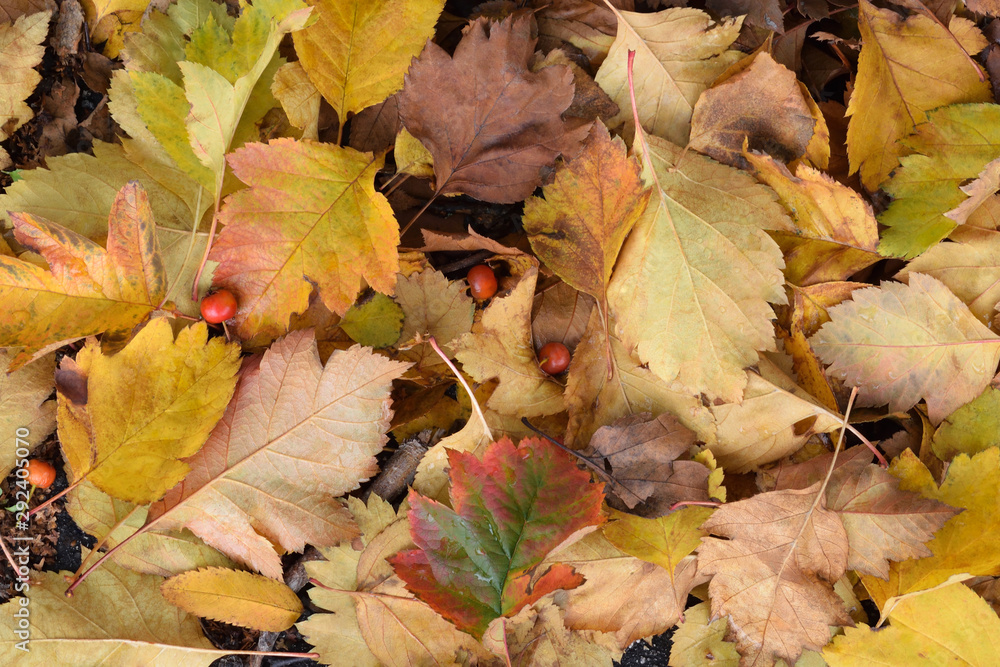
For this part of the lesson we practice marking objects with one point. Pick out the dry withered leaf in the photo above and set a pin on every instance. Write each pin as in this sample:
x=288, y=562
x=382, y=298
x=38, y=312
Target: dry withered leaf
x=642, y=455
x=493, y=144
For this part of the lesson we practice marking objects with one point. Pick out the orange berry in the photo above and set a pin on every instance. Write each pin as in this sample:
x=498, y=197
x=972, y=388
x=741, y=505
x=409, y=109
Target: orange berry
x=41, y=474
x=554, y=358
x=218, y=306
x=482, y=281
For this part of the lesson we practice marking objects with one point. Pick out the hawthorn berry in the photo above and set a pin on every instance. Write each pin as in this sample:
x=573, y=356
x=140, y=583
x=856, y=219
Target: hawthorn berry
x=482, y=282
x=41, y=474
x=554, y=358
x=218, y=307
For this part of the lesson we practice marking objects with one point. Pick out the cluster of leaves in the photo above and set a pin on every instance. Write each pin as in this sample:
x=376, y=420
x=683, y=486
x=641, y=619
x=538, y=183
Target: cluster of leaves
x=697, y=227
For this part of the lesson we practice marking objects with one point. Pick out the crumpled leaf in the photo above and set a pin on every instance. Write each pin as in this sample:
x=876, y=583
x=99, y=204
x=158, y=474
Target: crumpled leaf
x=950, y=148
x=127, y=421
x=640, y=456
x=971, y=429
x=357, y=51
x=762, y=106
x=899, y=343
x=87, y=290
x=579, y=226
x=311, y=216
x=146, y=630
x=538, y=636
x=891, y=96
x=622, y=594
x=500, y=347
x=109, y=20
x=679, y=53
x=882, y=521
x=235, y=597
x=968, y=543
x=375, y=620
x=773, y=574
x=475, y=563
x=492, y=145
x=24, y=405
x=691, y=288
x=251, y=488
x=951, y=625
x=21, y=51
x=835, y=230
x=162, y=554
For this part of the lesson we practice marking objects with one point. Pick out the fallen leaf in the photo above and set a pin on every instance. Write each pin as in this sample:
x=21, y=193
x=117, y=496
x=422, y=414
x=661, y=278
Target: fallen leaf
x=700, y=641
x=901, y=343
x=697, y=262
x=474, y=562
x=891, y=97
x=288, y=231
x=80, y=631
x=298, y=97
x=251, y=488
x=25, y=411
x=679, y=53
x=765, y=14
x=120, y=286
x=762, y=106
x=538, y=636
x=773, y=573
x=970, y=269
x=374, y=320
x=588, y=25
x=109, y=20
x=579, y=226
x=144, y=409
x=560, y=313
x=972, y=428
x=492, y=145
x=953, y=146
x=432, y=305
x=949, y=625
x=21, y=50
x=663, y=541
x=500, y=347
x=357, y=52
x=835, y=230
x=640, y=456
x=238, y=598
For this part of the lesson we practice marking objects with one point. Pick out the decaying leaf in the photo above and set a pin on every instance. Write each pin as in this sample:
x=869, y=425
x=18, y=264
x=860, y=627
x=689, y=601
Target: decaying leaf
x=21, y=50
x=24, y=406
x=492, y=145
x=474, y=563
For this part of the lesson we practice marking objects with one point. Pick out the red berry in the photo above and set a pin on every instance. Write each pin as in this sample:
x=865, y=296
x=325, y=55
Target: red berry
x=218, y=306
x=554, y=358
x=482, y=281
x=41, y=474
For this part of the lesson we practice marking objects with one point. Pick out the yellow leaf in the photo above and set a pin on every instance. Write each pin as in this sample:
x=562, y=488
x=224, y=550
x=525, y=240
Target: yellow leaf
x=21, y=51
x=971, y=429
x=109, y=20
x=358, y=51
x=949, y=626
x=968, y=543
x=144, y=409
x=891, y=96
x=76, y=632
x=412, y=157
x=679, y=53
x=700, y=641
x=88, y=290
x=664, y=541
x=500, y=347
x=691, y=288
x=900, y=343
x=234, y=597
x=432, y=305
x=299, y=98
x=23, y=407
x=836, y=234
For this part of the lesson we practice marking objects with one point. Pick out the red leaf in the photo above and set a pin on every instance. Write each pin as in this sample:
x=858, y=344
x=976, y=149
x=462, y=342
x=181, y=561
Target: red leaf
x=475, y=562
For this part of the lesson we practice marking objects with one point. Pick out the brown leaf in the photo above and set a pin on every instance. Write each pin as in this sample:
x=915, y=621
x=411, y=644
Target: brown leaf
x=883, y=523
x=761, y=13
x=762, y=105
x=773, y=574
x=642, y=453
x=492, y=125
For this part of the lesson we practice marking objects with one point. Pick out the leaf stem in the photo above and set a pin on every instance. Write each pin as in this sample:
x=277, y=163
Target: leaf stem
x=208, y=249
x=56, y=497
x=10, y=557
x=465, y=385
